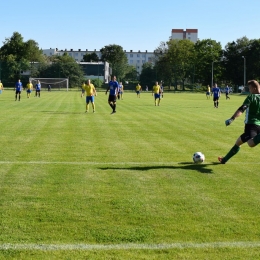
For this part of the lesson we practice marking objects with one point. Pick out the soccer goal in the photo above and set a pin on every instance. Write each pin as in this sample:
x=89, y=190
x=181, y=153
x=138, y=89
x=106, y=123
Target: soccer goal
x=52, y=83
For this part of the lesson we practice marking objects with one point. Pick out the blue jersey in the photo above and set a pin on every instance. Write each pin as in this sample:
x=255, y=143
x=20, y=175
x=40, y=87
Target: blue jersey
x=18, y=86
x=38, y=86
x=227, y=90
x=113, y=87
x=216, y=92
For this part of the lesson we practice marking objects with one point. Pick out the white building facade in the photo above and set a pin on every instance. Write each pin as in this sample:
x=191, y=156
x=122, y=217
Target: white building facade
x=135, y=58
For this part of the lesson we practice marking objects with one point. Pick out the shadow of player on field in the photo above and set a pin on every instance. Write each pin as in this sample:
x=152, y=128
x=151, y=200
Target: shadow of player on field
x=183, y=165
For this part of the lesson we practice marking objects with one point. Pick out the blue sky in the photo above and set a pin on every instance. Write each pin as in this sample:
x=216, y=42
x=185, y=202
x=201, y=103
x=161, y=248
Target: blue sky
x=134, y=25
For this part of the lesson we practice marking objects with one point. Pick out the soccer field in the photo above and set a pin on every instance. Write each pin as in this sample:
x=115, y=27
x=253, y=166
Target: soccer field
x=76, y=185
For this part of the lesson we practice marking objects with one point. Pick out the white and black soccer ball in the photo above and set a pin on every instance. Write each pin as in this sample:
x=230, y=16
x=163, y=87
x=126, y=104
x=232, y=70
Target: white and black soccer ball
x=198, y=157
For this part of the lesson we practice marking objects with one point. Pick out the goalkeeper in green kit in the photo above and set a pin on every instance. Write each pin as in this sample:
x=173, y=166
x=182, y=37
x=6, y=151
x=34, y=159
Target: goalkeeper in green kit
x=251, y=133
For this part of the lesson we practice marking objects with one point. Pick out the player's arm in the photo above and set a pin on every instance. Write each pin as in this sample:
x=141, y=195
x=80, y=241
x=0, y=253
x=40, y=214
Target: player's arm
x=238, y=113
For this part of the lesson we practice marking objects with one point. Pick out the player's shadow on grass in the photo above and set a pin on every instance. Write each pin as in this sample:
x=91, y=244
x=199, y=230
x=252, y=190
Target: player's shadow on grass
x=183, y=165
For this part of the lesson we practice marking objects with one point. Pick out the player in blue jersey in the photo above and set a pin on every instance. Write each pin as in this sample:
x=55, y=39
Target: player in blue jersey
x=113, y=92
x=161, y=86
x=227, y=91
x=216, y=95
x=120, y=90
x=38, y=89
x=18, y=89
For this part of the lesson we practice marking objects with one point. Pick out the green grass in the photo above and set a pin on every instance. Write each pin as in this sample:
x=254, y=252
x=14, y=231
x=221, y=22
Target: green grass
x=123, y=186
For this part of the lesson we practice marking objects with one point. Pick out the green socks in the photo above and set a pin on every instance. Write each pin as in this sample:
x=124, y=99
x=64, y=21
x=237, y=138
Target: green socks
x=234, y=150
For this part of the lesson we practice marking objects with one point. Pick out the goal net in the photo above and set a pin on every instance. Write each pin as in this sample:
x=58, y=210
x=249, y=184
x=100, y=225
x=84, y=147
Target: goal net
x=52, y=83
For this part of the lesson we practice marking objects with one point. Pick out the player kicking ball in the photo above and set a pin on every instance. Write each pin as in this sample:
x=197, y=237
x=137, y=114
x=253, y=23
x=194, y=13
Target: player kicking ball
x=251, y=134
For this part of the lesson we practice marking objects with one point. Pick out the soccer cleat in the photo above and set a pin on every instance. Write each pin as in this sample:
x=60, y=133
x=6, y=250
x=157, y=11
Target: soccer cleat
x=94, y=111
x=113, y=112
x=86, y=111
x=220, y=159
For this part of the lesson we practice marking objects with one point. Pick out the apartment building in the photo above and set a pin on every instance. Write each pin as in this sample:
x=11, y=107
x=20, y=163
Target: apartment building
x=180, y=34
x=135, y=58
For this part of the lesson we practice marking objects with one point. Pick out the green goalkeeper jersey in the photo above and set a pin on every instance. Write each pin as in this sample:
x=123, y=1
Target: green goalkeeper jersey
x=253, y=109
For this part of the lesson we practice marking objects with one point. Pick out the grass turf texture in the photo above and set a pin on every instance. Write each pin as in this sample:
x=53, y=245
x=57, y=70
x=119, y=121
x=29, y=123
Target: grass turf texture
x=125, y=183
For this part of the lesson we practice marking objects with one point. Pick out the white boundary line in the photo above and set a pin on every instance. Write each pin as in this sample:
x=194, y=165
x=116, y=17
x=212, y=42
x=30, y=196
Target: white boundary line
x=55, y=247
x=117, y=163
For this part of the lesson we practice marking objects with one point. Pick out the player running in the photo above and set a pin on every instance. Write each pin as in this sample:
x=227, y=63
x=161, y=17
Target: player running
x=157, y=93
x=113, y=92
x=251, y=133
x=216, y=95
x=90, y=93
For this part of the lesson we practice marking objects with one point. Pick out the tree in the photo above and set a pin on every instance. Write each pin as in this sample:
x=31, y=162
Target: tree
x=234, y=62
x=131, y=74
x=91, y=57
x=175, y=61
x=64, y=67
x=18, y=56
x=115, y=55
x=147, y=74
x=206, y=52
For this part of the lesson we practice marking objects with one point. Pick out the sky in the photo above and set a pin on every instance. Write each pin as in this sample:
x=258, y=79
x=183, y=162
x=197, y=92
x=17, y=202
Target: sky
x=133, y=24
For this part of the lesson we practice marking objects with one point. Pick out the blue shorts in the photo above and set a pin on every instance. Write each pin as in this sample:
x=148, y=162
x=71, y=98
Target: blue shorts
x=29, y=91
x=90, y=99
x=137, y=92
x=157, y=96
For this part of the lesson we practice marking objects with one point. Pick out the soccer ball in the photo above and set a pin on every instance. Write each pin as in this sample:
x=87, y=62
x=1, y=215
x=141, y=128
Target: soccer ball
x=198, y=157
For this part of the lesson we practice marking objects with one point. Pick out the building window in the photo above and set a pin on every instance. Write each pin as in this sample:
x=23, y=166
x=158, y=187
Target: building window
x=138, y=55
x=131, y=56
x=138, y=60
x=143, y=55
x=143, y=61
x=131, y=61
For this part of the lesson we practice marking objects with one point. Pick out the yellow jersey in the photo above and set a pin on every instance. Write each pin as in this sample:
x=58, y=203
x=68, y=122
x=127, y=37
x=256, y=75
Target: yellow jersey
x=29, y=86
x=138, y=87
x=90, y=89
x=1, y=85
x=156, y=89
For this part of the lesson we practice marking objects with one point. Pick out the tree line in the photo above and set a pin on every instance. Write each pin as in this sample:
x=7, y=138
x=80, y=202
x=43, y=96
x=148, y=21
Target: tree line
x=176, y=62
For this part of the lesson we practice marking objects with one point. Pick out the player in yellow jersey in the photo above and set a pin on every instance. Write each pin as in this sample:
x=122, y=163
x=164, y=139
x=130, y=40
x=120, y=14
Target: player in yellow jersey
x=83, y=89
x=208, y=92
x=1, y=87
x=90, y=93
x=138, y=89
x=29, y=87
x=157, y=93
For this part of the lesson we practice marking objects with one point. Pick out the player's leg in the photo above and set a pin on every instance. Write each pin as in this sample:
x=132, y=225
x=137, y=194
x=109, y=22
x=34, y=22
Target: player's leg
x=249, y=136
x=255, y=136
x=234, y=150
x=93, y=104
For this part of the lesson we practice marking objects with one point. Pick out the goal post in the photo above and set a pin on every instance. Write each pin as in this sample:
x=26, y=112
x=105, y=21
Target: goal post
x=54, y=83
